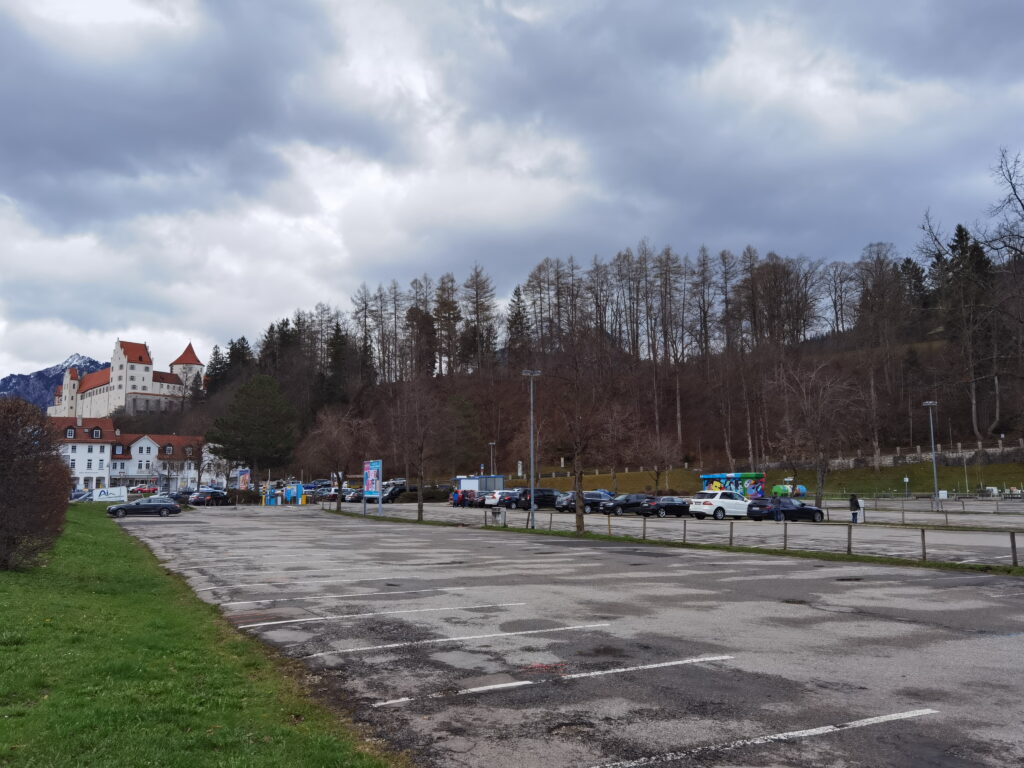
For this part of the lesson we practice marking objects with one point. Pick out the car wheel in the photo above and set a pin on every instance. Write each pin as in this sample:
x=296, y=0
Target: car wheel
x=120, y=513
x=586, y=509
x=699, y=516
x=617, y=511
x=661, y=513
x=164, y=512
x=819, y=516
x=719, y=514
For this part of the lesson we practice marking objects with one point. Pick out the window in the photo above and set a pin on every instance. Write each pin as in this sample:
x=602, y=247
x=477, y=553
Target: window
x=143, y=389
x=103, y=449
x=88, y=448
x=70, y=432
x=168, y=449
x=120, y=367
x=74, y=449
x=131, y=378
x=120, y=377
x=101, y=464
x=139, y=465
x=120, y=448
x=96, y=433
x=145, y=368
x=131, y=367
x=188, y=450
x=72, y=463
x=149, y=449
x=88, y=464
x=147, y=465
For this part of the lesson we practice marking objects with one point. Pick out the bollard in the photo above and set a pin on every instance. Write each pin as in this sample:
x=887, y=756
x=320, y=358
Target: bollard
x=731, y=524
x=849, y=539
x=903, y=511
x=684, y=531
x=644, y=535
x=1013, y=547
x=551, y=520
x=946, y=513
x=485, y=518
x=609, y=524
x=785, y=535
x=826, y=514
x=924, y=550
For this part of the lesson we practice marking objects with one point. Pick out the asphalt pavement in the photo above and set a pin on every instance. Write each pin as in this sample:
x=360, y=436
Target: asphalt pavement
x=470, y=647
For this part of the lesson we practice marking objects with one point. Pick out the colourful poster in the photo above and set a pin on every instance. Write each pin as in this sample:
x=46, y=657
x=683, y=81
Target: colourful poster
x=372, y=478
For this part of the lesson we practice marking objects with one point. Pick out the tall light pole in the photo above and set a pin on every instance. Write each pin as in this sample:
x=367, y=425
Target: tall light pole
x=931, y=405
x=492, y=456
x=533, y=505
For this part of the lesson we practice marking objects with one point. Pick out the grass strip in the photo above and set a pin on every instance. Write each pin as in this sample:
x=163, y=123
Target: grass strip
x=807, y=554
x=107, y=660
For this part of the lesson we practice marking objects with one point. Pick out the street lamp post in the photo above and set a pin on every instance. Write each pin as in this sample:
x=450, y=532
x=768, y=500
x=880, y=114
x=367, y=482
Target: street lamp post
x=931, y=405
x=491, y=444
x=533, y=505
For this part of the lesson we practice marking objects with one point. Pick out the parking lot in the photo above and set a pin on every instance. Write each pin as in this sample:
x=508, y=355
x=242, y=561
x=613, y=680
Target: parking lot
x=482, y=648
x=992, y=546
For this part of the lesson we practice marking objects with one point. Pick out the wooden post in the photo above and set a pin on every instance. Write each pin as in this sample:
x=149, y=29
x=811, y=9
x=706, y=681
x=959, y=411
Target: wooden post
x=551, y=520
x=903, y=510
x=946, y=513
x=849, y=539
x=924, y=549
x=785, y=535
x=1013, y=547
x=644, y=537
x=684, y=531
x=609, y=524
x=731, y=524
x=485, y=518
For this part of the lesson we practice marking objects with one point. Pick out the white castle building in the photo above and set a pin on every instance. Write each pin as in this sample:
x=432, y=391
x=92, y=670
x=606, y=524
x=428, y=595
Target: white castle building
x=130, y=383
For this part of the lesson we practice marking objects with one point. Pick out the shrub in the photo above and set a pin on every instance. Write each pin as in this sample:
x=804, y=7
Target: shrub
x=247, y=496
x=35, y=482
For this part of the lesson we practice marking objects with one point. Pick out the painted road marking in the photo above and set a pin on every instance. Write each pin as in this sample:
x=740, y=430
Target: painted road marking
x=377, y=613
x=788, y=736
x=454, y=639
x=350, y=594
x=521, y=683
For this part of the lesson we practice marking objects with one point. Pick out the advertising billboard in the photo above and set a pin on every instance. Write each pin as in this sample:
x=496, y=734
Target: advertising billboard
x=372, y=471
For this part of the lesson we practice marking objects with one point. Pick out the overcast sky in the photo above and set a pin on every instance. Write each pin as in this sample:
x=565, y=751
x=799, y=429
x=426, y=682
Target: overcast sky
x=175, y=170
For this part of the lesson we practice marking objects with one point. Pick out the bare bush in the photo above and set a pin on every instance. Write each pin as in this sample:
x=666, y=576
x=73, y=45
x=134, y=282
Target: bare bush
x=35, y=483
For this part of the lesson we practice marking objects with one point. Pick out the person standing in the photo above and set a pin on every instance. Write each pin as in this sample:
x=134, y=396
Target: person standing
x=854, y=506
x=777, y=508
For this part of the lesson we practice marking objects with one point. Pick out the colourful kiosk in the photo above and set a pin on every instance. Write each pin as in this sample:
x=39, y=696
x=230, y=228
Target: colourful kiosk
x=750, y=484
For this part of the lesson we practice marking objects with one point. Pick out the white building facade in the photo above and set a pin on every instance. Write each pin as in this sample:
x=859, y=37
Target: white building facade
x=131, y=383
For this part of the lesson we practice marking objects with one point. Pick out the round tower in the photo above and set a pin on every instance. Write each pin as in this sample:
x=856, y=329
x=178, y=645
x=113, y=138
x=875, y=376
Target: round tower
x=188, y=367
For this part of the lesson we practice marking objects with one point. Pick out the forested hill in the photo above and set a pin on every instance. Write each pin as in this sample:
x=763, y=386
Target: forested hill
x=722, y=358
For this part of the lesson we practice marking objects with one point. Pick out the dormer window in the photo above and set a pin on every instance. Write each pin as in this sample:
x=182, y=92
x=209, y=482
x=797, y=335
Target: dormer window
x=168, y=449
x=120, y=448
x=70, y=432
x=188, y=450
x=96, y=433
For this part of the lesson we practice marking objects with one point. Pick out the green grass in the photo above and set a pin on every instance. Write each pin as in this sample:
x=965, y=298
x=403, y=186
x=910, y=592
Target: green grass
x=864, y=482
x=108, y=660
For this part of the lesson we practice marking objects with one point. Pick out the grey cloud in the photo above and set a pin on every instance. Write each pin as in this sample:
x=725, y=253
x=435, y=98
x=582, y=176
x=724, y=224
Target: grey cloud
x=184, y=124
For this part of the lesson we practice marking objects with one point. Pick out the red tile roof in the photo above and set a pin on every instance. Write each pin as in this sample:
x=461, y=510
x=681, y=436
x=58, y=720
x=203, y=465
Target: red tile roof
x=83, y=431
x=95, y=379
x=188, y=357
x=60, y=388
x=162, y=377
x=135, y=352
x=74, y=373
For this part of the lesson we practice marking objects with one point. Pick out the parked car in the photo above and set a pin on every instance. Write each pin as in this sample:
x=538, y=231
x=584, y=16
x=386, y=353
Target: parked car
x=544, y=497
x=152, y=505
x=182, y=496
x=566, y=502
x=665, y=505
x=497, y=498
x=208, y=499
x=144, y=488
x=392, y=493
x=718, y=504
x=326, y=493
x=354, y=494
x=624, y=502
x=792, y=509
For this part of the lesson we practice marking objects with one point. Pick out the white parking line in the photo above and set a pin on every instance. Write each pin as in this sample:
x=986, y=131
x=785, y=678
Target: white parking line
x=454, y=639
x=376, y=613
x=521, y=683
x=788, y=736
x=350, y=594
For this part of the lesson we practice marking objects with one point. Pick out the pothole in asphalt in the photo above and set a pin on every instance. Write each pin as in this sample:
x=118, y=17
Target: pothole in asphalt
x=850, y=578
x=796, y=602
x=572, y=728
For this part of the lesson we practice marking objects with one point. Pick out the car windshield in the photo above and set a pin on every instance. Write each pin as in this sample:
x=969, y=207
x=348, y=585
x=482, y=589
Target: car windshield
x=621, y=497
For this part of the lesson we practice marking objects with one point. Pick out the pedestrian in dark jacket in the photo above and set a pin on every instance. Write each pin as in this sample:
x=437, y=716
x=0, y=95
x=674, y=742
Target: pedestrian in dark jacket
x=777, y=508
x=854, y=503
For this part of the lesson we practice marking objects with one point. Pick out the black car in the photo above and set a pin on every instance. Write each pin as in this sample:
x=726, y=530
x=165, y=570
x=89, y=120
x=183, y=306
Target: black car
x=792, y=509
x=208, y=499
x=566, y=502
x=151, y=505
x=394, y=491
x=624, y=502
x=664, y=505
x=520, y=497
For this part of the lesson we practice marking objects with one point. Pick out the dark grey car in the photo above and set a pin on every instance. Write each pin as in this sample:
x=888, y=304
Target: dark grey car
x=151, y=505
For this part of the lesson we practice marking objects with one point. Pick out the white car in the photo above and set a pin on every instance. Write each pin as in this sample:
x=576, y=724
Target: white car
x=494, y=498
x=718, y=504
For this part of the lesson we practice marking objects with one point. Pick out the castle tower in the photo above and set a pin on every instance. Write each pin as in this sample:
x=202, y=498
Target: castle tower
x=188, y=368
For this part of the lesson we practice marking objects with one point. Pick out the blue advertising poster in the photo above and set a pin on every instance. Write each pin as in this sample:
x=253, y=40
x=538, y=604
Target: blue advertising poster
x=371, y=479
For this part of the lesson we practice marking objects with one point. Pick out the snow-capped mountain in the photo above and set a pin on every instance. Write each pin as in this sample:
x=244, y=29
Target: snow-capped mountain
x=38, y=387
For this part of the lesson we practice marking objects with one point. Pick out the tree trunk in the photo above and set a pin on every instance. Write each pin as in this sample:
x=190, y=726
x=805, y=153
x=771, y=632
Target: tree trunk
x=419, y=493
x=578, y=485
